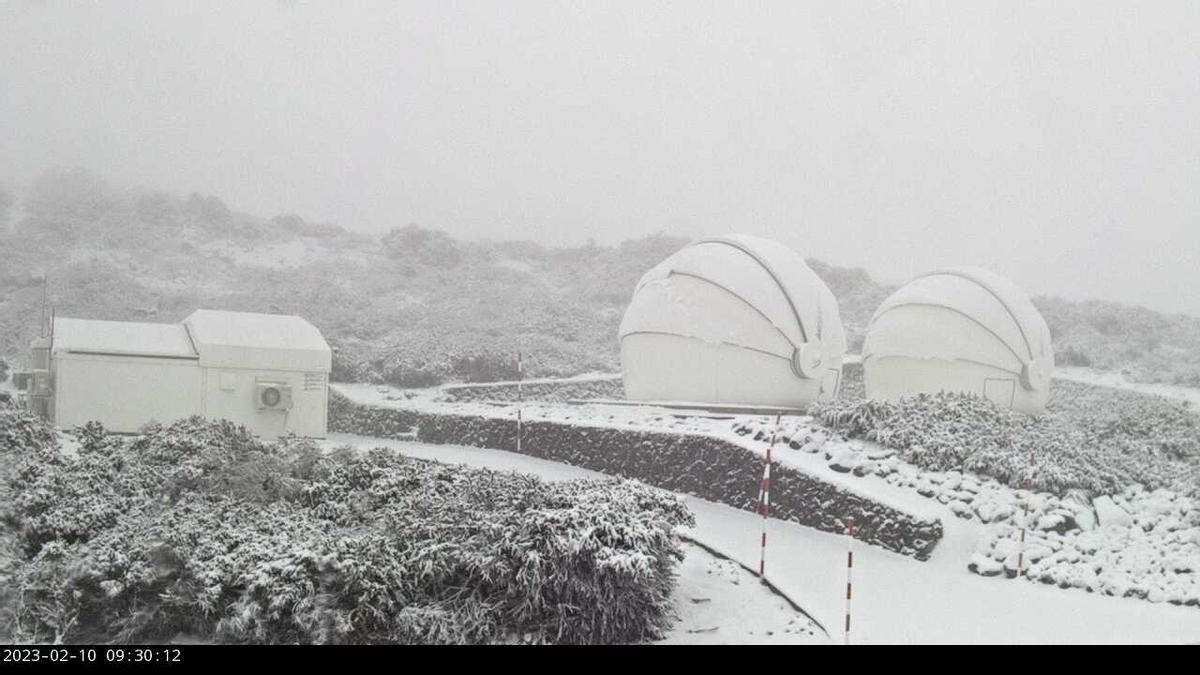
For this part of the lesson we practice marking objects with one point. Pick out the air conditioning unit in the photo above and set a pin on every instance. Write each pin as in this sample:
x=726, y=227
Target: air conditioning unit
x=273, y=396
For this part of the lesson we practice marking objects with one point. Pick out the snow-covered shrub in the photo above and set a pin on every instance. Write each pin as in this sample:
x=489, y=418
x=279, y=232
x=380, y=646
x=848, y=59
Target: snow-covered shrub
x=24, y=434
x=1099, y=448
x=349, y=366
x=71, y=499
x=199, y=528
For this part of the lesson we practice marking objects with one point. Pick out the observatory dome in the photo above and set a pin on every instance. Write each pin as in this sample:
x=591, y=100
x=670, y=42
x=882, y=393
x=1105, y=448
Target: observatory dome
x=732, y=320
x=960, y=329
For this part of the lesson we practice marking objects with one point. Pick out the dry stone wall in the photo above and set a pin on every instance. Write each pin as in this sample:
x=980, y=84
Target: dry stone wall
x=704, y=466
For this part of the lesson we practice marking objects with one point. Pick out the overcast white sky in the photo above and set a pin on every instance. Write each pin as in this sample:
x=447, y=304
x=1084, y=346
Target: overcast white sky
x=1057, y=143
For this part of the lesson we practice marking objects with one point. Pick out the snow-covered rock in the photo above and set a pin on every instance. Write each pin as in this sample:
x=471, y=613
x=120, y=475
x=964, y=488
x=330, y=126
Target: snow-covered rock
x=1086, y=519
x=990, y=510
x=1108, y=513
x=843, y=459
x=985, y=566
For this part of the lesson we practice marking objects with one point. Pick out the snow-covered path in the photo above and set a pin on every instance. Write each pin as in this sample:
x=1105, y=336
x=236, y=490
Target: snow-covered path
x=896, y=599
x=718, y=602
x=901, y=600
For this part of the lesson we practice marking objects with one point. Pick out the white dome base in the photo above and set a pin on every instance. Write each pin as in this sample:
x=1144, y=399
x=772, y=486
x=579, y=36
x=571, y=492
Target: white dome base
x=659, y=367
x=890, y=378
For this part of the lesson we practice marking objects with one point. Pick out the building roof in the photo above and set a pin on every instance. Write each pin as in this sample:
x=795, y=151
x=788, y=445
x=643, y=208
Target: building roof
x=269, y=341
x=763, y=277
x=244, y=329
x=986, y=298
x=122, y=338
x=214, y=338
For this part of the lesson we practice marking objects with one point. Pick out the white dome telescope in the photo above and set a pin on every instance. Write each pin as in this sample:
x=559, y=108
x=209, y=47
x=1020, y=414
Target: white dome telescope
x=964, y=330
x=733, y=320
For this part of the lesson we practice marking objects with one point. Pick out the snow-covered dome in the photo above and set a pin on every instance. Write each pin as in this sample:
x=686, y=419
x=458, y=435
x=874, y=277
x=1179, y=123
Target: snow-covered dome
x=961, y=329
x=733, y=320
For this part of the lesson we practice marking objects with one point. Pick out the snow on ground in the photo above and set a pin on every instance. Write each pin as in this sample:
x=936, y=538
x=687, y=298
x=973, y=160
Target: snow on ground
x=719, y=602
x=897, y=599
x=1115, y=380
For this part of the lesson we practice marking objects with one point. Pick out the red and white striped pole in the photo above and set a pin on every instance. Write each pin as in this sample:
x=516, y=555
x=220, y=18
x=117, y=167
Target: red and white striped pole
x=1025, y=519
x=520, y=399
x=849, y=571
x=764, y=499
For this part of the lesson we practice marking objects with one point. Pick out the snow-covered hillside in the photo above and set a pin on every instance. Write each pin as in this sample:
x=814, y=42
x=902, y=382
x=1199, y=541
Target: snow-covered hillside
x=416, y=307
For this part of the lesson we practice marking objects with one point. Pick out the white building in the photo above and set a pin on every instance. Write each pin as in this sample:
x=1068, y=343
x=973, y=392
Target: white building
x=266, y=372
x=963, y=330
x=733, y=320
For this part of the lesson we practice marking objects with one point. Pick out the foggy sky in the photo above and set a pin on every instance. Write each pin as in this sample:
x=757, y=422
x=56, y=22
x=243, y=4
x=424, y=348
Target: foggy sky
x=1056, y=143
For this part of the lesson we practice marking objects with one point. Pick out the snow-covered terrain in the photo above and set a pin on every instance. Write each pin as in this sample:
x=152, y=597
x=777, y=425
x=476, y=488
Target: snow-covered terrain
x=1139, y=543
x=718, y=601
x=897, y=599
x=1118, y=380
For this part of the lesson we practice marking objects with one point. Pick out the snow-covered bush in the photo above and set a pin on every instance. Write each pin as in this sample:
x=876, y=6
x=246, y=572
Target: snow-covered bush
x=1091, y=443
x=24, y=434
x=70, y=499
x=199, y=528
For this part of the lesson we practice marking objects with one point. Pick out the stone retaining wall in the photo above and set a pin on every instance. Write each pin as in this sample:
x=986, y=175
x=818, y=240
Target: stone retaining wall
x=710, y=468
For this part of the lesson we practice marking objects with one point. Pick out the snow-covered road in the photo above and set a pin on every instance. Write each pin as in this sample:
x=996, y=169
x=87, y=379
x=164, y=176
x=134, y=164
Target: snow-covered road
x=896, y=599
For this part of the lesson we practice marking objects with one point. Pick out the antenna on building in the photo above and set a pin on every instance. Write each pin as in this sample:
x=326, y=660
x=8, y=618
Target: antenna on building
x=44, y=284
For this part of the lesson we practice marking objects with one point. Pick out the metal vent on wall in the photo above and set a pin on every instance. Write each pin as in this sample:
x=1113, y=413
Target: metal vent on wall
x=314, y=381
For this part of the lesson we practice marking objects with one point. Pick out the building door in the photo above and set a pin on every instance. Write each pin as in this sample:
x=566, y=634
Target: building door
x=829, y=382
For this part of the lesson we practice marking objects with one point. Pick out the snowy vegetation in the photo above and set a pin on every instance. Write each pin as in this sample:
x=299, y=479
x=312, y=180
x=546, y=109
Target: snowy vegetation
x=415, y=307
x=1115, y=502
x=199, y=529
x=1124, y=542
x=1091, y=438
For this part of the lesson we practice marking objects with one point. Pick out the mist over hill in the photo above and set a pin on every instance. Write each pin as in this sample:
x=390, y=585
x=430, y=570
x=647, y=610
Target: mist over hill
x=415, y=307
